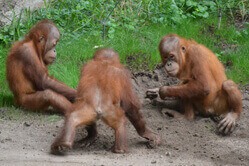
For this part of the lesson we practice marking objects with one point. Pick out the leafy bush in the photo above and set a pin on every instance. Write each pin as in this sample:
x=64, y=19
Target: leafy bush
x=101, y=17
x=104, y=17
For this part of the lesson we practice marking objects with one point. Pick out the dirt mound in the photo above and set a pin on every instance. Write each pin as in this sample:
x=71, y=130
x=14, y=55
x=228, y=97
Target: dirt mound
x=145, y=80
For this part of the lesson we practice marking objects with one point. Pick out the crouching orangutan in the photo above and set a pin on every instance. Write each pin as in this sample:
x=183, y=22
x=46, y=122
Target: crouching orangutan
x=104, y=92
x=204, y=87
x=27, y=72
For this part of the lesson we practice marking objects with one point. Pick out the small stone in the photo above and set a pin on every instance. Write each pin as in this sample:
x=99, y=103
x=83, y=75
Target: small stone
x=168, y=154
x=145, y=79
x=241, y=159
x=27, y=124
x=156, y=78
x=176, y=148
x=153, y=162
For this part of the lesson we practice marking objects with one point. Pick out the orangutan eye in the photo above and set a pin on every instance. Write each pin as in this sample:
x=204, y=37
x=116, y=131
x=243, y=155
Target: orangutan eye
x=171, y=57
x=183, y=49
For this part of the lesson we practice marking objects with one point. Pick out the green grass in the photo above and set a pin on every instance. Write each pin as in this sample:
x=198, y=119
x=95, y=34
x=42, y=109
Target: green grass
x=130, y=35
x=5, y=95
x=240, y=69
x=16, y=114
x=143, y=43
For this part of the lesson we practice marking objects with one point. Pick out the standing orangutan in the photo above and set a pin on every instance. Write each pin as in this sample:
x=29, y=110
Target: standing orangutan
x=104, y=92
x=204, y=88
x=27, y=72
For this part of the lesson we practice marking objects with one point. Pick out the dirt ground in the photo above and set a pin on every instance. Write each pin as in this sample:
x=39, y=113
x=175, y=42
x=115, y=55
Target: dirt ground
x=26, y=139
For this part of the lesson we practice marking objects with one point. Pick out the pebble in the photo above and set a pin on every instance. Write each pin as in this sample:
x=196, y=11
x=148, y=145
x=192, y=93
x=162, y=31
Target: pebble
x=156, y=78
x=168, y=154
x=176, y=148
x=241, y=159
x=27, y=124
x=153, y=162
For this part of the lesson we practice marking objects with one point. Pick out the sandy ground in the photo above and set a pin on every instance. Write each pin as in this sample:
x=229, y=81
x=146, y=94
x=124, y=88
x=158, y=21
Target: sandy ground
x=26, y=139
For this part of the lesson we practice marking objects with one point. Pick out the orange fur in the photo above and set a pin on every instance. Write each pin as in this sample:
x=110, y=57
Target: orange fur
x=205, y=87
x=27, y=73
x=105, y=92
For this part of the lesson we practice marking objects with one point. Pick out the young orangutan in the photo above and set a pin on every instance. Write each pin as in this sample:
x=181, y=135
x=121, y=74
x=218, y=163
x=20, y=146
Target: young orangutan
x=104, y=92
x=204, y=86
x=27, y=73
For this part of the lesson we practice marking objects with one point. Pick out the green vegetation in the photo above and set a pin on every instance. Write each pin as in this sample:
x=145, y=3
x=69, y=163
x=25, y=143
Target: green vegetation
x=134, y=29
x=13, y=113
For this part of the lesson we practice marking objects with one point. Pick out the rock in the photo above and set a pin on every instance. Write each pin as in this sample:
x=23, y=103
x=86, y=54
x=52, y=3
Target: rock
x=7, y=8
x=168, y=154
x=27, y=124
x=153, y=162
